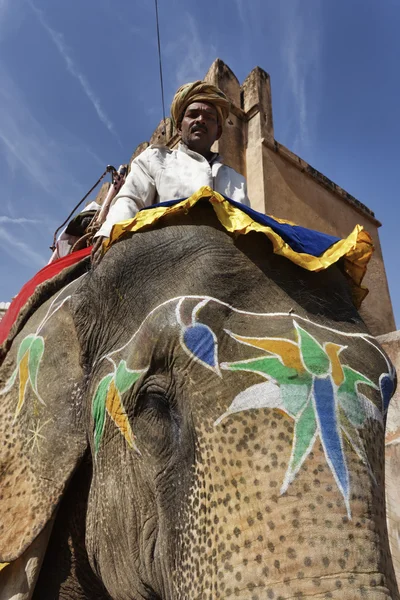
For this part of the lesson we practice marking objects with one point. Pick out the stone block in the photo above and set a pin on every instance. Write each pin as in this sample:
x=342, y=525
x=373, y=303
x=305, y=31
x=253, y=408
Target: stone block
x=257, y=101
x=221, y=75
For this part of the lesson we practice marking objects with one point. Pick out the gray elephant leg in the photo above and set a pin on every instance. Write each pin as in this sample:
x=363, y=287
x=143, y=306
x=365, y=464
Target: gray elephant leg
x=66, y=573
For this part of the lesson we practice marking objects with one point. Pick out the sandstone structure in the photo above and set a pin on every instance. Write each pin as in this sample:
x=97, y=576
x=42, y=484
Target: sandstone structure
x=282, y=184
x=391, y=345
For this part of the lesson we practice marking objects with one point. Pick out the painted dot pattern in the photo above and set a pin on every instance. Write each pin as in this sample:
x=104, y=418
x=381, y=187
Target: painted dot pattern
x=242, y=539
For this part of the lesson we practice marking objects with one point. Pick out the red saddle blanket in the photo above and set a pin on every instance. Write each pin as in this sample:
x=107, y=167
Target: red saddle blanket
x=28, y=289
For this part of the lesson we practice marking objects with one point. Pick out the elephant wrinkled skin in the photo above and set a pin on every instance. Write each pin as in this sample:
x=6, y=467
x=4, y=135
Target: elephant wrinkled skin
x=200, y=419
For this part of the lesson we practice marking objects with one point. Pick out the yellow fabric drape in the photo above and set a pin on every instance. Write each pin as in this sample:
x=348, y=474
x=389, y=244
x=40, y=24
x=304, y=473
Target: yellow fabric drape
x=356, y=248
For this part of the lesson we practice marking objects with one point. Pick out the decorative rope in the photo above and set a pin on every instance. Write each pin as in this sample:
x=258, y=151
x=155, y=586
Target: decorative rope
x=109, y=169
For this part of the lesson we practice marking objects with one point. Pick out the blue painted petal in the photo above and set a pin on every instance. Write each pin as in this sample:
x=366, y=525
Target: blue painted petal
x=386, y=384
x=201, y=341
x=327, y=416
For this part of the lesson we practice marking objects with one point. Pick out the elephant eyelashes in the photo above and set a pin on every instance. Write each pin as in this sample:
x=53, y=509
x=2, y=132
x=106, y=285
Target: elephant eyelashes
x=155, y=405
x=155, y=420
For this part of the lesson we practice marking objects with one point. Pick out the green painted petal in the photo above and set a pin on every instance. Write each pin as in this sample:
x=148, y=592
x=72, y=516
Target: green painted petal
x=294, y=398
x=351, y=378
x=35, y=356
x=99, y=409
x=10, y=382
x=352, y=407
x=314, y=356
x=125, y=378
x=24, y=346
x=305, y=432
x=272, y=368
x=305, y=429
x=350, y=399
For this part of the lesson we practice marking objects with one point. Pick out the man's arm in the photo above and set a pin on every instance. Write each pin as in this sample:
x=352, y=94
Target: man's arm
x=138, y=191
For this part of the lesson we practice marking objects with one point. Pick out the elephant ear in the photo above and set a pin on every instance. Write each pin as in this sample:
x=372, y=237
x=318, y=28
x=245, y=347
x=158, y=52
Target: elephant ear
x=42, y=435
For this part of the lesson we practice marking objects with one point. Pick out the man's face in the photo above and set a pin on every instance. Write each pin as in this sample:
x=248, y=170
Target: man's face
x=200, y=128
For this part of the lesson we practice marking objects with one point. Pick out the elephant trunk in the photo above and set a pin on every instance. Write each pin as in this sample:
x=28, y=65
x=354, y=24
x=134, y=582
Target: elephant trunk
x=246, y=536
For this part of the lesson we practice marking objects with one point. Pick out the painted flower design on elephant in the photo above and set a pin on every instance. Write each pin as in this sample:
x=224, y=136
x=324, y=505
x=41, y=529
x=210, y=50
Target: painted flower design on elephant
x=197, y=339
x=308, y=382
x=29, y=356
x=108, y=400
x=305, y=379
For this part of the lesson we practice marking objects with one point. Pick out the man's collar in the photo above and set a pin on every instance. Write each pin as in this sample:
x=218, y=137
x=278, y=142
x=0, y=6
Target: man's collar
x=214, y=159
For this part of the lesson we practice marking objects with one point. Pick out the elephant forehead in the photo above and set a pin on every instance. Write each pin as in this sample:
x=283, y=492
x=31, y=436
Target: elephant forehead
x=211, y=333
x=240, y=360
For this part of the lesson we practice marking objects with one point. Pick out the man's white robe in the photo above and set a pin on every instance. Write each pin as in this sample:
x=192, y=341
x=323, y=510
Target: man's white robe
x=159, y=174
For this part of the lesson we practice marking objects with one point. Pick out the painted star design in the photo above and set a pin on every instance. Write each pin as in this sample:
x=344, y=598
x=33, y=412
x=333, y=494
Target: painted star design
x=308, y=382
x=34, y=440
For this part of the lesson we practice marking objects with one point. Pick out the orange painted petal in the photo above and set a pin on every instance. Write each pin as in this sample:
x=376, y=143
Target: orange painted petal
x=332, y=351
x=117, y=413
x=288, y=351
x=23, y=381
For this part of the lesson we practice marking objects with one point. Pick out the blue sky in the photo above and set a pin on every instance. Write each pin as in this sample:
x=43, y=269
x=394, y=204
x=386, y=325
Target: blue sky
x=80, y=89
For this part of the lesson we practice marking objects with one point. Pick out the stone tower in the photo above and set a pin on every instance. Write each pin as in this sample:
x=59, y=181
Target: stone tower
x=282, y=184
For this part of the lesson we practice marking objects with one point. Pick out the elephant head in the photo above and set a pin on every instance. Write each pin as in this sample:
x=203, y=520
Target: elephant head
x=232, y=409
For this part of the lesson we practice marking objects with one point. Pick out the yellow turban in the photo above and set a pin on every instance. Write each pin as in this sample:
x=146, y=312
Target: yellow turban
x=199, y=91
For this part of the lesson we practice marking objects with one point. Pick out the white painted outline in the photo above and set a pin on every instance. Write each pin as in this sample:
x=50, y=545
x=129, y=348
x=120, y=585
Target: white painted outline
x=205, y=299
x=178, y=313
x=198, y=308
x=47, y=315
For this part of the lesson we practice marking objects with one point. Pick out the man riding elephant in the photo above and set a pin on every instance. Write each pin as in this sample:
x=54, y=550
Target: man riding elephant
x=199, y=111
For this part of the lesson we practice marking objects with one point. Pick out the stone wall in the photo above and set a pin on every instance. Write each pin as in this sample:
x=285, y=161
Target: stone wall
x=391, y=345
x=282, y=184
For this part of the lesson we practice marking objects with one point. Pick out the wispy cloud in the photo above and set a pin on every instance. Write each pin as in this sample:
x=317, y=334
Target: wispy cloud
x=19, y=250
x=58, y=40
x=191, y=51
x=28, y=149
x=17, y=220
x=129, y=17
x=242, y=11
x=11, y=17
x=301, y=51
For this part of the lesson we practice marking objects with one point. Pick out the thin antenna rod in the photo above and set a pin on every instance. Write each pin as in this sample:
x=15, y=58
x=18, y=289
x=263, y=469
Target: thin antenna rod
x=159, y=60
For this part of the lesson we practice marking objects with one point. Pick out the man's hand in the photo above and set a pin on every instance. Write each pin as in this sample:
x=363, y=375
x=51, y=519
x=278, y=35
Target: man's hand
x=96, y=250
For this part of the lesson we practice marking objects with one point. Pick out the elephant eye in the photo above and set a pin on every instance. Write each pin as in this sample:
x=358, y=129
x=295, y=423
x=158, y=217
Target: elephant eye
x=155, y=420
x=153, y=404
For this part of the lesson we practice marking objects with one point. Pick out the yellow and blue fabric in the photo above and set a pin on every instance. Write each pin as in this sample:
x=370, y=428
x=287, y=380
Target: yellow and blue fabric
x=309, y=249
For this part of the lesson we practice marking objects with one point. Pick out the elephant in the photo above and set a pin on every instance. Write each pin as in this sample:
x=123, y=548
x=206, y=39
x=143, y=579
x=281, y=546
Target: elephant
x=195, y=418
